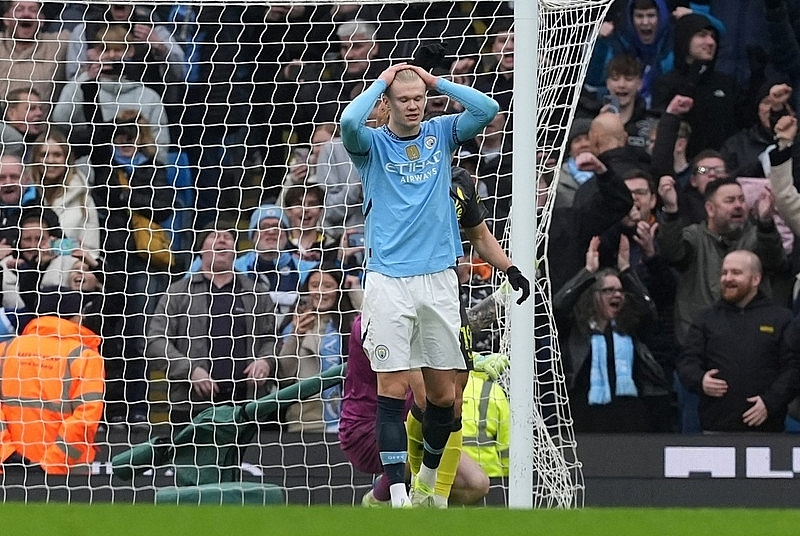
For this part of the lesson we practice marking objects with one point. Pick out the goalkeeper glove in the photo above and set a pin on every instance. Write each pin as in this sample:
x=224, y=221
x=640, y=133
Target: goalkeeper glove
x=518, y=282
x=492, y=364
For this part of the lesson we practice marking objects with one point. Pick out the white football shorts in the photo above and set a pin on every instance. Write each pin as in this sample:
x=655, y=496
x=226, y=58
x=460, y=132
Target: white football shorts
x=412, y=322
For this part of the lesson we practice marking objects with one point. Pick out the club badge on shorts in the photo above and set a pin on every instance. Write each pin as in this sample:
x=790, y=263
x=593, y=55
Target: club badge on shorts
x=412, y=152
x=381, y=352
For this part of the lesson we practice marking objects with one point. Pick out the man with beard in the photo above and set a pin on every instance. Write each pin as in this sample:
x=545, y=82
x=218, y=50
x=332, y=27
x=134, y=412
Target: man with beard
x=738, y=355
x=697, y=250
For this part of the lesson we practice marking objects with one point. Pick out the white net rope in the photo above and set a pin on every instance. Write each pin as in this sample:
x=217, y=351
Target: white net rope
x=175, y=172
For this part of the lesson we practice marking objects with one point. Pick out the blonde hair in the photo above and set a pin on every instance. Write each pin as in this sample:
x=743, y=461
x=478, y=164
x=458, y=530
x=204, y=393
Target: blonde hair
x=52, y=190
x=113, y=37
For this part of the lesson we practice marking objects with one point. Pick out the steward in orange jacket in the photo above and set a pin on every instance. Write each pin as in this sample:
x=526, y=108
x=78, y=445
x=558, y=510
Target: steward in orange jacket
x=51, y=395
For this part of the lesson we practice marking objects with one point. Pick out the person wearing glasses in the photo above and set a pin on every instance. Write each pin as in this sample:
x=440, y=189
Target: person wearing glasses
x=640, y=227
x=706, y=167
x=615, y=384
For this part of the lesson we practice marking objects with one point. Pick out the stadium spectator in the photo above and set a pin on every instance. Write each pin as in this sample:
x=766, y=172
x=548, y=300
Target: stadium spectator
x=781, y=158
x=697, y=250
x=571, y=178
x=36, y=262
x=214, y=332
x=15, y=193
x=740, y=354
x=498, y=80
x=743, y=150
x=131, y=184
x=104, y=89
x=644, y=30
x=744, y=45
x=102, y=312
x=24, y=120
x=56, y=361
x=615, y=383
x=609, y=140
x=158, y=61
x=291, y=40
x=706, y=167
x=716, y=114
x=623, y=83
x=360, y=58
x=304, y=161
x=668, y=148
x=30, y=56
x=640, y=226
x=309, y=242
x=494, y=169
x=65, y=190
x=783, y=29
x=573, y=228
x=343, y=193
x=314, y=340
x=270, y=260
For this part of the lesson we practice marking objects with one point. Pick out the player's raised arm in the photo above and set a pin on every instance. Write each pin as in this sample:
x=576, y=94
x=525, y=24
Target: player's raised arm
x=479, y=109
x=355, y=135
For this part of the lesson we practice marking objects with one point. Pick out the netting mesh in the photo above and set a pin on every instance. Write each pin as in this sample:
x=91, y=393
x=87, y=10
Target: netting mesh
x=175, y=173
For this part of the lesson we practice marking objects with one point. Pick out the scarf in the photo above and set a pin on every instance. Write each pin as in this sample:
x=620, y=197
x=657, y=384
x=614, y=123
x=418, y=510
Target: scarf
x=578, y=175
x=599, y=386
x=330, y=355
x=129, y=163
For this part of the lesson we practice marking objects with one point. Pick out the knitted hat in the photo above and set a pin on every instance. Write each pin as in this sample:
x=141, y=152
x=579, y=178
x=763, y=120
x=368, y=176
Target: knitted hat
x=262, y=213
x=580, y=125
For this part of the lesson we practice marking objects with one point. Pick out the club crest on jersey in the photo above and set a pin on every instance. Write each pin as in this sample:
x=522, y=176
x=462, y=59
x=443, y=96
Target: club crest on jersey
x=412, y=152
x=381, y=352
x=430, y=141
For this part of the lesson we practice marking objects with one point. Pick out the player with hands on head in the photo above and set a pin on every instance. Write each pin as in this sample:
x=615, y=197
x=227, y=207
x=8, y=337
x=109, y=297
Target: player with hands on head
x=411, y=243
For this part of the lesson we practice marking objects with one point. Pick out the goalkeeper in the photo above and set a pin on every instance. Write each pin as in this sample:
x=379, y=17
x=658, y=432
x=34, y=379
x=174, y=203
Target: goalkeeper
x=471, y=213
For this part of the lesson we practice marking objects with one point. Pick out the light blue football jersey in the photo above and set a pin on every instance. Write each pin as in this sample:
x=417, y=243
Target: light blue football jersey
x=410, y=223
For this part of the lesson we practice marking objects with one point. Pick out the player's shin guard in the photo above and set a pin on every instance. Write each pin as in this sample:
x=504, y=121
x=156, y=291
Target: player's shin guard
x=391, y=434
x=415, y=442
x=446, y=474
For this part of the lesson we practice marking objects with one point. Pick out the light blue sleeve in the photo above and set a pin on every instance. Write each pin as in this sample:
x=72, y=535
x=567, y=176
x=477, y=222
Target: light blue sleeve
x=355, y=133
x=479, y=108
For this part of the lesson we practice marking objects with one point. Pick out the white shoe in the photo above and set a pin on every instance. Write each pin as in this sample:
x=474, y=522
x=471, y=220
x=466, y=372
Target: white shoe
x=369, y=501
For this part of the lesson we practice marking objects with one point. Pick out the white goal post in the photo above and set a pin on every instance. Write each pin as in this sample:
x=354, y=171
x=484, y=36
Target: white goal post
x=133, y=136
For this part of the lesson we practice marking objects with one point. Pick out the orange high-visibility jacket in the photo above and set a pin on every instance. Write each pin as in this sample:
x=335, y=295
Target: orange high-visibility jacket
x=51, y=394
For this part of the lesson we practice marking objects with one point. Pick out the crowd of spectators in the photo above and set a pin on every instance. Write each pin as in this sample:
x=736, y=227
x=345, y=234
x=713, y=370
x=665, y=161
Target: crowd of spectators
x=124, y=124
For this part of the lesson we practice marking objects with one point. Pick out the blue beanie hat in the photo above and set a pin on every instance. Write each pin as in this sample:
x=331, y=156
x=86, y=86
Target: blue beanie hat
x=267, y=211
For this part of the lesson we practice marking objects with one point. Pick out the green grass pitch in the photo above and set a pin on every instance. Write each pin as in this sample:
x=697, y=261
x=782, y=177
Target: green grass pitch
x=148, y=520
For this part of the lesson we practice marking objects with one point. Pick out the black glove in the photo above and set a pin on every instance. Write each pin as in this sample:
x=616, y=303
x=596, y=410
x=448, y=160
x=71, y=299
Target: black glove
x=518, y=282
x=430, y=56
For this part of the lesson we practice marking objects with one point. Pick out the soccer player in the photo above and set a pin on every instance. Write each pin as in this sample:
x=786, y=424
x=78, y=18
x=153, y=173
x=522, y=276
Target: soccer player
x=411, y=316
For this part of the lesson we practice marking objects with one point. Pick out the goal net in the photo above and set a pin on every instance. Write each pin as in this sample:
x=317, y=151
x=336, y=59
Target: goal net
x=174, y=173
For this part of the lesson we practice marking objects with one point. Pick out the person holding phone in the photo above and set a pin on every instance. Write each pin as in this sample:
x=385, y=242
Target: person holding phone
x=316, y=339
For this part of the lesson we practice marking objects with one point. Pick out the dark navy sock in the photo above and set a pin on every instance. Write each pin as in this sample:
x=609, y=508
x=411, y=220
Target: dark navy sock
x=391, y=435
